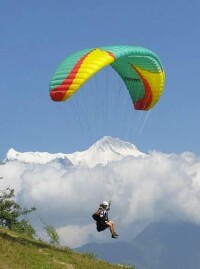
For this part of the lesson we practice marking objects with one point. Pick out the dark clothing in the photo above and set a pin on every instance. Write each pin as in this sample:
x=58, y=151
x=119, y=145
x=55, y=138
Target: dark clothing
x=100, y=216
x=101, y=226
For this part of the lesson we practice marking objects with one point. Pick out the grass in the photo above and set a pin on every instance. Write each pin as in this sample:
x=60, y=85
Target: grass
x=18, y=252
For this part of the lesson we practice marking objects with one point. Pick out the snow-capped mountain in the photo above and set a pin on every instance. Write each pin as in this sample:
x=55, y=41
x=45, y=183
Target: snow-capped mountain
x=103, y=151
x=33, y=157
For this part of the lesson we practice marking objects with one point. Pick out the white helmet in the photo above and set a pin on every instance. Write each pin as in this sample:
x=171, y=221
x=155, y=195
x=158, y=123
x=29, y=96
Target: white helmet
x=105, y=203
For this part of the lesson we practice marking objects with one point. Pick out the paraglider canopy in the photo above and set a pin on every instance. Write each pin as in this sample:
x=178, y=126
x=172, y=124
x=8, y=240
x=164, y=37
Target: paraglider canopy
x=139, y=68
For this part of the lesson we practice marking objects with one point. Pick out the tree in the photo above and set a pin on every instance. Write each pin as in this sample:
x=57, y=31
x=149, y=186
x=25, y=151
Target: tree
x=10, y=213
x=52, y=233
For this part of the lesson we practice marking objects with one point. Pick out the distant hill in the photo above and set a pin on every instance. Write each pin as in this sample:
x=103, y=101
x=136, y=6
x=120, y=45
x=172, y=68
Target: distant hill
x=158, y=246
x=19, y=252
x=118, y=252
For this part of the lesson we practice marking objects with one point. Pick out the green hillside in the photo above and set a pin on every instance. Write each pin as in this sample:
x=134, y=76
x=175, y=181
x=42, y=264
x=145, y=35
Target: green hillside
x=18, y=252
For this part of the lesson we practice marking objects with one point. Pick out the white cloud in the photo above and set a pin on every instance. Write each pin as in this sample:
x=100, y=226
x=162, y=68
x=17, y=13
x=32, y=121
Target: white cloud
x=76, y=235
x=143, y=190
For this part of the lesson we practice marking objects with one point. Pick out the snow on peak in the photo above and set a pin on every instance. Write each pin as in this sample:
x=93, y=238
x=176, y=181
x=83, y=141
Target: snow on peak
x=110, y=143
x=105, y=150
x=33, y=157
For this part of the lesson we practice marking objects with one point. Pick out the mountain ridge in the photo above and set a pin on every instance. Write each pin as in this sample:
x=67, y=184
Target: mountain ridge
x=161, y=245
x=103, y=151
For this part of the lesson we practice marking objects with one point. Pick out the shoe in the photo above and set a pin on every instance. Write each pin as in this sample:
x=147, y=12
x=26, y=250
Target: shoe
x=114, y=236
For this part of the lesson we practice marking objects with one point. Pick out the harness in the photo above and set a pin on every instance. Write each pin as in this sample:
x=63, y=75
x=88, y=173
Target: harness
x=100, y=216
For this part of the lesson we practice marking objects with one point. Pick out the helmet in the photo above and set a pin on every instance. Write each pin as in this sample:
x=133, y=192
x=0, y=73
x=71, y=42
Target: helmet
x=105, y=203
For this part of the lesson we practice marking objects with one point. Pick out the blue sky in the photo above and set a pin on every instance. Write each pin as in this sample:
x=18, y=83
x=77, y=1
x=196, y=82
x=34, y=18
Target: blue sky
x=37, y=35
